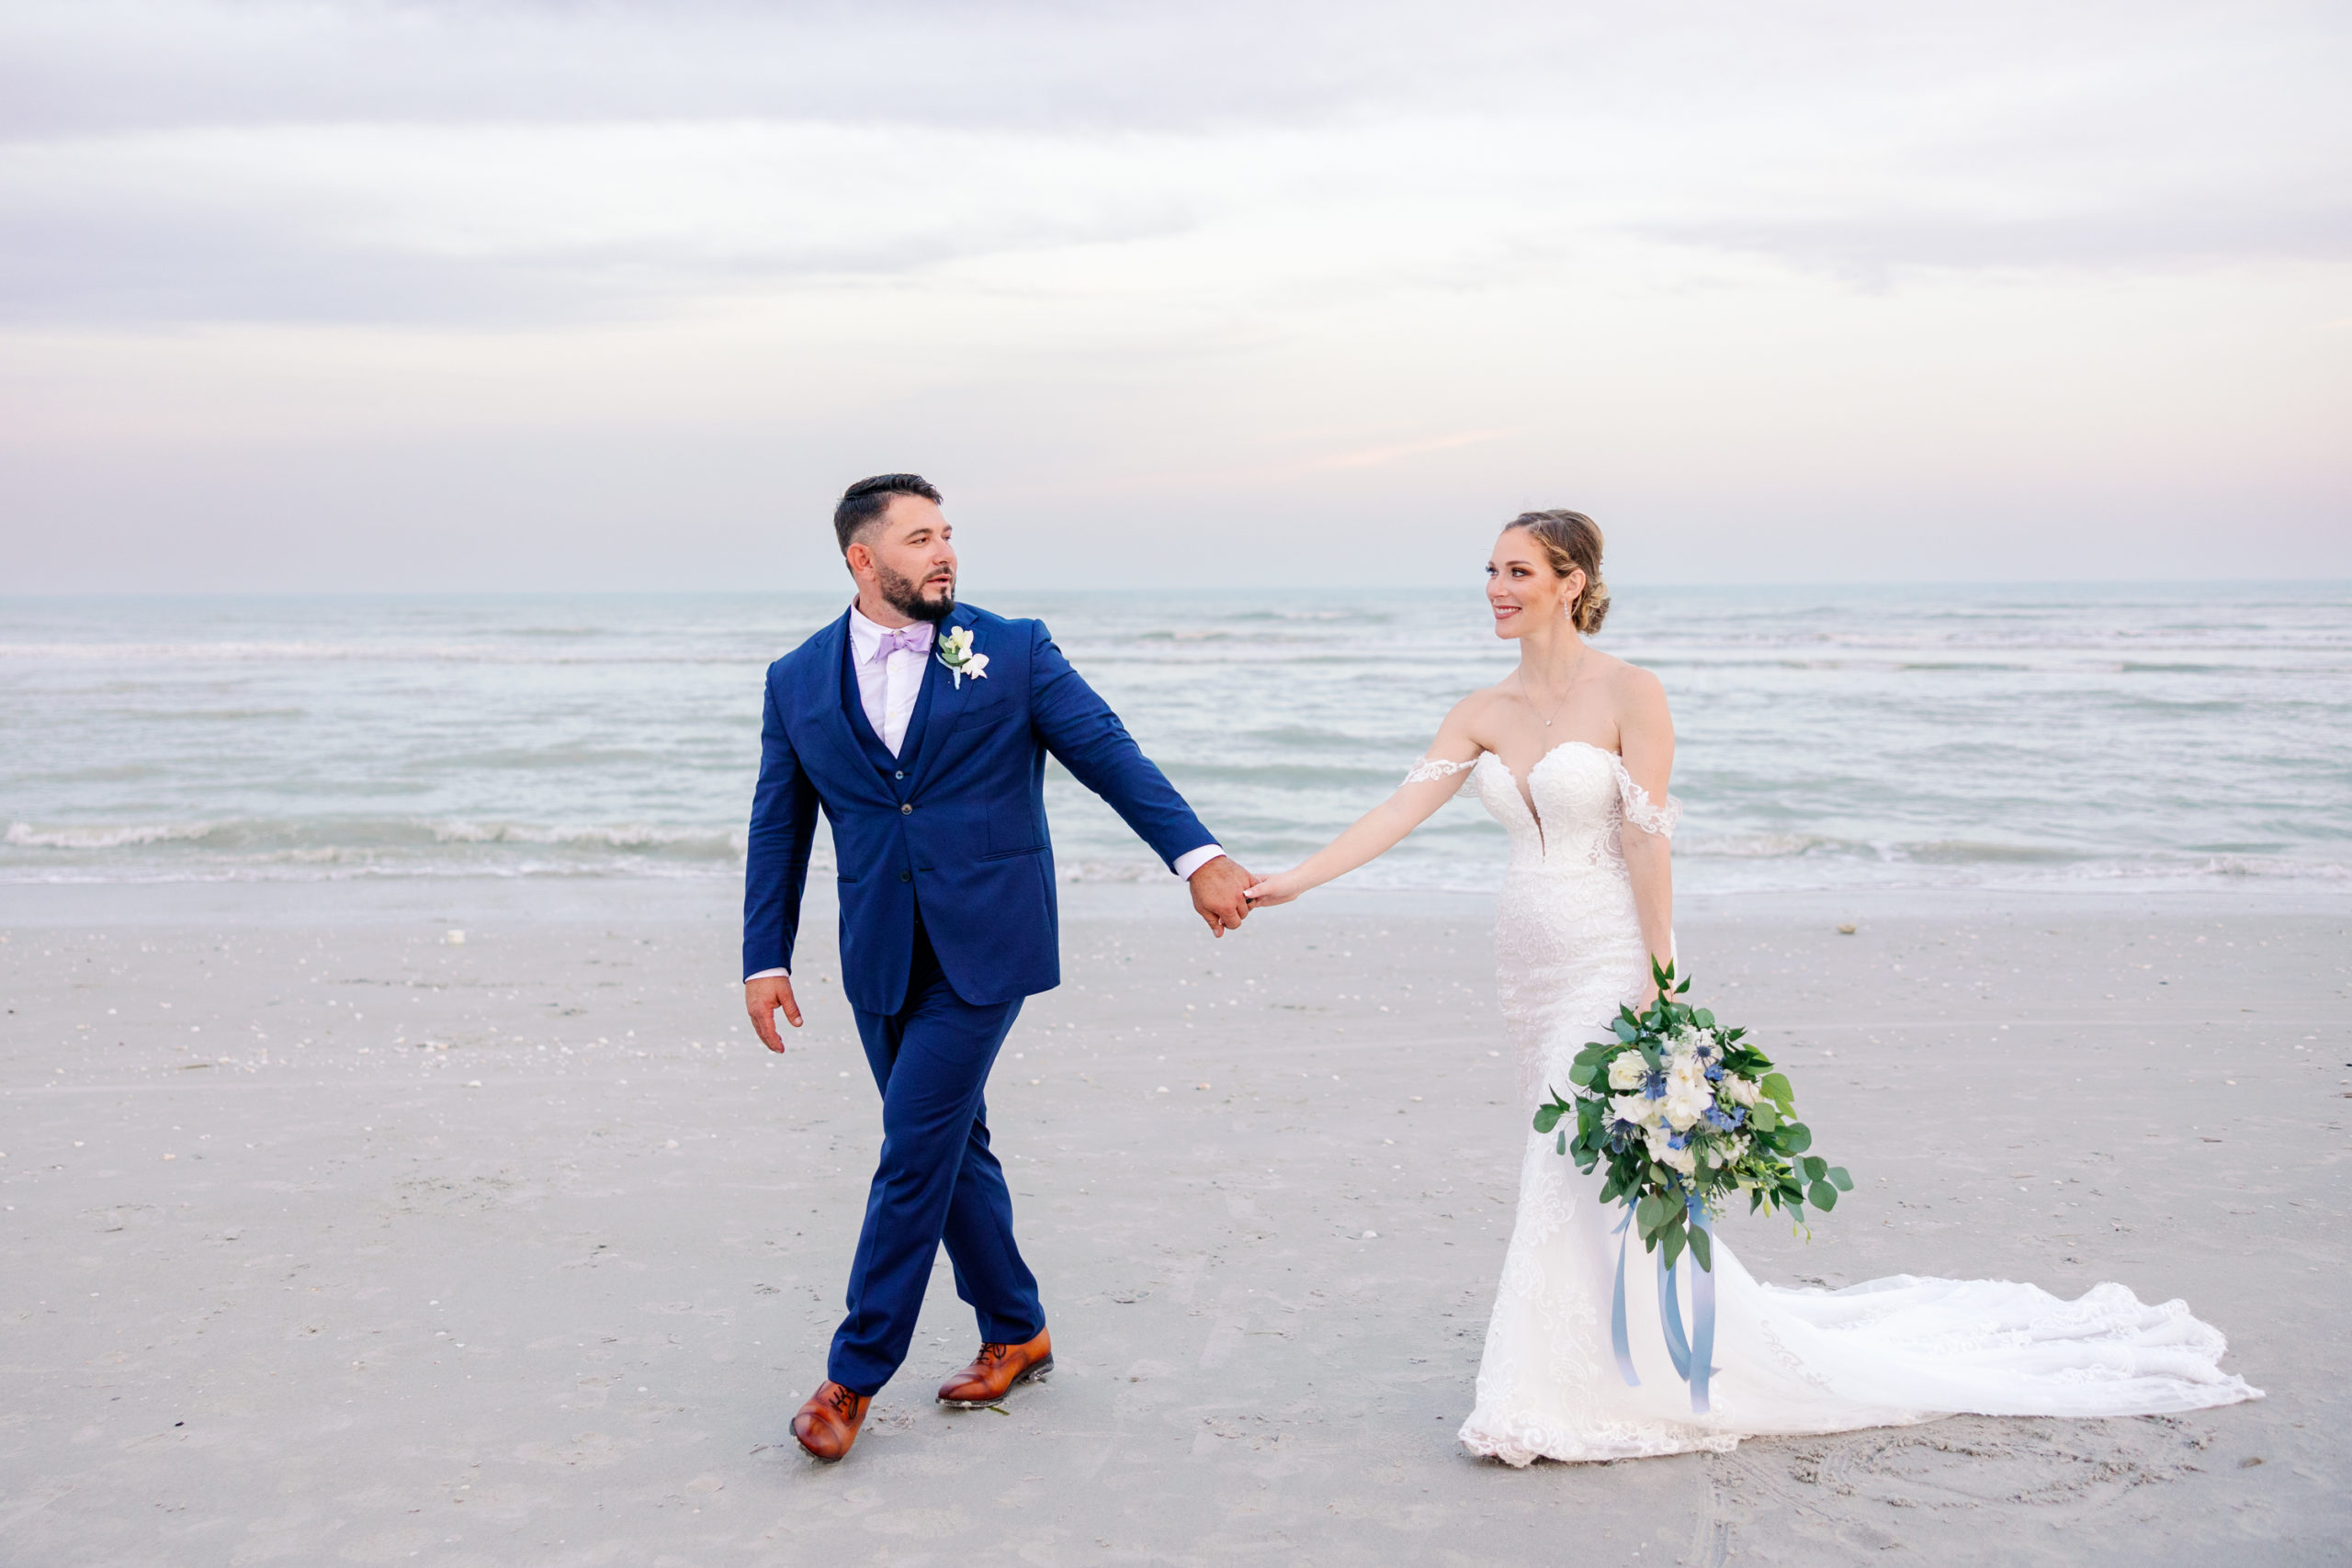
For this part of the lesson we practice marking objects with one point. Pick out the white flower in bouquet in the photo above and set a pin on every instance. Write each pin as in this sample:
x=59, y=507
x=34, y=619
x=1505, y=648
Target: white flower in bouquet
x=1688, y=1095
x=1740, y=1090
x=1638, y=1109
x=1627, y=1071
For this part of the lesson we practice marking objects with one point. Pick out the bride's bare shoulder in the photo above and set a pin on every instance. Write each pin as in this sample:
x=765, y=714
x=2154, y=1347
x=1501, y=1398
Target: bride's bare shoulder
x=1480, y=703
x=1638, y=697
x=1470, y=721
x=1629, y=682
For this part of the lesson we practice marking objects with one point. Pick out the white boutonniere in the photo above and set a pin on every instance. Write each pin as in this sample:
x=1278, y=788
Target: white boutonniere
x=956, y=652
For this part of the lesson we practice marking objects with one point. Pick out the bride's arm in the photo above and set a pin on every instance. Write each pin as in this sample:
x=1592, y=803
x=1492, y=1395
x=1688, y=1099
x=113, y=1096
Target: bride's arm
x=1429, y=785
x=1646, y=736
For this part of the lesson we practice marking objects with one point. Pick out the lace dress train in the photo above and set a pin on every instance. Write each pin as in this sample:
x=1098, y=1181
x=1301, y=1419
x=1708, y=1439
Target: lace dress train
x=1889, y=1352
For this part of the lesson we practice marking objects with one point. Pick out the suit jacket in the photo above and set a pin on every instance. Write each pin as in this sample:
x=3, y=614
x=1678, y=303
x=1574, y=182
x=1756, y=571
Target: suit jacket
x=957, y=820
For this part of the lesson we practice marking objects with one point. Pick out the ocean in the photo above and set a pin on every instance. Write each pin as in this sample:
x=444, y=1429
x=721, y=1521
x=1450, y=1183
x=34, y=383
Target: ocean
x=2122, y=737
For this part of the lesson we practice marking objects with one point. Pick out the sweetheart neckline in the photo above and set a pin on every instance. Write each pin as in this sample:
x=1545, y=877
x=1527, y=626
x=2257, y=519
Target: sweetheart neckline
x=1522, y=789
x=1588, y=745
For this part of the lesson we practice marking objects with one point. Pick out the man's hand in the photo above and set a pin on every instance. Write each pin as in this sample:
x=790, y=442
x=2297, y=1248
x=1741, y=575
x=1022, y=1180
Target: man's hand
x=1218, y=894
x=761, y=997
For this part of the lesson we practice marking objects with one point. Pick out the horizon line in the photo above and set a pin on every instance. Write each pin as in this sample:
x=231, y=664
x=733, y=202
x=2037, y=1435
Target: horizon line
x=1646, y=583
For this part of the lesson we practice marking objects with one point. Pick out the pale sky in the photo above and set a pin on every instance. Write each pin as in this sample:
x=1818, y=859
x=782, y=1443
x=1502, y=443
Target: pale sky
x=560, y=294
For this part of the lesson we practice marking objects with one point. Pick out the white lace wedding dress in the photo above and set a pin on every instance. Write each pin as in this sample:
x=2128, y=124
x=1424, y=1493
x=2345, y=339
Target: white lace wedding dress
x=1889, y=1352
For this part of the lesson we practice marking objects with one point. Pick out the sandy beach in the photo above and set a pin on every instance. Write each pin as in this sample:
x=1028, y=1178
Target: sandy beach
x=329, y=1238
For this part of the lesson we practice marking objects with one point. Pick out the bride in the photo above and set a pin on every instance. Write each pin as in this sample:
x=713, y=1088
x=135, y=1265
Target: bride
x=1568, y=752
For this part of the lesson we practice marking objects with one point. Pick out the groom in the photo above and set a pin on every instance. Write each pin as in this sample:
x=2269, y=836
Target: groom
x=921, y=726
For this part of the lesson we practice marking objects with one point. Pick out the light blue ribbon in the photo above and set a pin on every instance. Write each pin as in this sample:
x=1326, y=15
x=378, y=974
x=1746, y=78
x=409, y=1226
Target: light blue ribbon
x=1617, y=1337
x=1692, y=1356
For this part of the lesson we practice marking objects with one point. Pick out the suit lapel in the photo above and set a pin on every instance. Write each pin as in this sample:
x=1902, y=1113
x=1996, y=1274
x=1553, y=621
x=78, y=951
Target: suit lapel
x=937, y=707
x=852, y=706
x=838, y=713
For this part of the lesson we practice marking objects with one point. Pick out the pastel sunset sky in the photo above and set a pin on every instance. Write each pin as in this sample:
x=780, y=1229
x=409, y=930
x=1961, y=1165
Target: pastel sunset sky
x=510, y=295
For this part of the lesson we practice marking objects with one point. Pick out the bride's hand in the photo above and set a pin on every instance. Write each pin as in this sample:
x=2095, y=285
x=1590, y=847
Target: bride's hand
x=1279, y=889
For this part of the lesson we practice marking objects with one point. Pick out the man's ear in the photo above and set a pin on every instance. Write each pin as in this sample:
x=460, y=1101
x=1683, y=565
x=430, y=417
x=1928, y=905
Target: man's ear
x=859, y=559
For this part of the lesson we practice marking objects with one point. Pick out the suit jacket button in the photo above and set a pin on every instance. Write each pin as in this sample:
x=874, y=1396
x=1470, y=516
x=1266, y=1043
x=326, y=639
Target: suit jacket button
x=899, y=774
x=906, y=877
x=905, y=811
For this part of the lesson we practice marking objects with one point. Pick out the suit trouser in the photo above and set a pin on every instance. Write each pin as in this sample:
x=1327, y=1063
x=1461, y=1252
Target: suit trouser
x=936, y=1181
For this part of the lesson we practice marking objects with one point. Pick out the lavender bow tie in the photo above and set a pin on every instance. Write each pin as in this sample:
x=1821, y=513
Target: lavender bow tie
x=915, y=639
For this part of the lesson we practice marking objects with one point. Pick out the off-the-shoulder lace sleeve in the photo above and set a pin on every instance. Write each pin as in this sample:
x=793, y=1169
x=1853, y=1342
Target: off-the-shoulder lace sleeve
x=1429, y=768
x=1640, y=811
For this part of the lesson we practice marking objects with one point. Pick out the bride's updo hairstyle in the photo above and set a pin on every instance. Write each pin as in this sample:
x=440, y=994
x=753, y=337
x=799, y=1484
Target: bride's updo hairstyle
x=1571, y=541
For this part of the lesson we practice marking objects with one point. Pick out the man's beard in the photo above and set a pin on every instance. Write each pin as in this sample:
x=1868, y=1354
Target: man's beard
x=904, y=594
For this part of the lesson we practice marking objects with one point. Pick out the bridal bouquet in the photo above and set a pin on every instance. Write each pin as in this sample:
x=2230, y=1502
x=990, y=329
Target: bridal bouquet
x=1685, y=1113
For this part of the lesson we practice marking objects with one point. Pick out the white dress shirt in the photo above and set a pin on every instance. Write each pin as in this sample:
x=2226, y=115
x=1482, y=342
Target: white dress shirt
x=887, y=690
x=887, y=687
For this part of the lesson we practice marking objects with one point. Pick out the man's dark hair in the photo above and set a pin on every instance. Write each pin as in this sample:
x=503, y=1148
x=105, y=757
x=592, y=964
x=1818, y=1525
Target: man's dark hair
x=864, y=501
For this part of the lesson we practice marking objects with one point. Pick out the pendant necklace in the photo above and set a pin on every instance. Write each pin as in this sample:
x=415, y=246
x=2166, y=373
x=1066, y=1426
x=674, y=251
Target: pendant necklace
x=1573, y=673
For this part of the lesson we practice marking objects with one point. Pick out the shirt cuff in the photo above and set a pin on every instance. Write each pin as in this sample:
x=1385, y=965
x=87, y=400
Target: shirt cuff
x=1191, y=861
x=764, y=974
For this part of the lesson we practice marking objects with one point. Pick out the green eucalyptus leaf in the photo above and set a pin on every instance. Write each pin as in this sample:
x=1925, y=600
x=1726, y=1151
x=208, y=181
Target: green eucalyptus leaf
x=1674, y=1241
x=1796, y=1138
x=1839, y=1179
x=1778, y=1090
x=1703, y=1249
x=1548, y=1116
x=1765, y=1117
x=1824, y=1196
x=1814, y=1167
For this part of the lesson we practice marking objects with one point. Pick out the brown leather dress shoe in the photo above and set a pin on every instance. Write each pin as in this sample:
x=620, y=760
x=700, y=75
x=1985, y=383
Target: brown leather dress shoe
x=996, y=1369
x=828, y=1423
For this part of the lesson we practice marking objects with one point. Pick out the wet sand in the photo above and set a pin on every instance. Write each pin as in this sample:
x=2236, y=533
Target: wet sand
x=328, y=1239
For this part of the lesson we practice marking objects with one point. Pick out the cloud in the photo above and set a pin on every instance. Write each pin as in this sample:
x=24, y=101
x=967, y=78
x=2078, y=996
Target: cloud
x=529, y=223
x=372, y=160
x=287, y=286
x=2174, y=229
x=99, y=67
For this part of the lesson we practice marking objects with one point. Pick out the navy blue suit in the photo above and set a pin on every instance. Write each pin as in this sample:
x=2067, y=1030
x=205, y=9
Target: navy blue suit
x=948, y=921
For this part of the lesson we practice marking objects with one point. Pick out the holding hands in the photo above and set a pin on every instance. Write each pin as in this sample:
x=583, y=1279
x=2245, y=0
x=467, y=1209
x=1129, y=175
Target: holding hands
x=1220, y=894
x=1279, y=889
